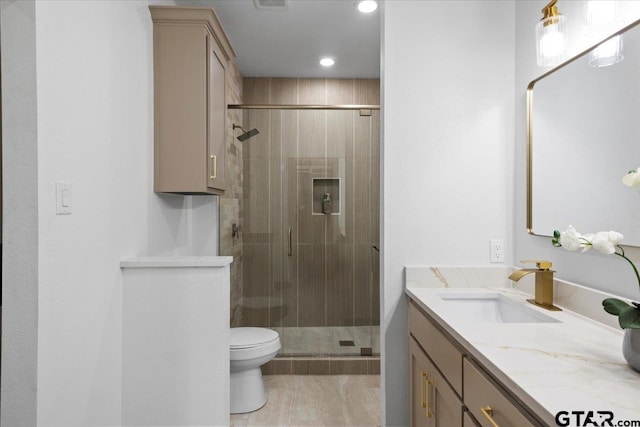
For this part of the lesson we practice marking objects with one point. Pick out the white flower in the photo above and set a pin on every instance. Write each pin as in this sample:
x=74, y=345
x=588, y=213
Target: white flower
x=605, y=241
x=632, y=179
x=586, y=241
x=570, y=239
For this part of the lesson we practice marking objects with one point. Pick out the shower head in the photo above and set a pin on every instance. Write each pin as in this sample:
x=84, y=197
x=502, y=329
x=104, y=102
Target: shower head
x=247, y=134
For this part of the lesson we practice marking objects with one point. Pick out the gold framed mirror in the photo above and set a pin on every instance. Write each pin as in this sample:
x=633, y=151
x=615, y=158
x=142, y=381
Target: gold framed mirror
x=583, y=136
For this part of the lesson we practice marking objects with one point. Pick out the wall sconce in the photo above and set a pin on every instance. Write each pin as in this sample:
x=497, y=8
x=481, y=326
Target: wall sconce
x=551, y=36
x=602, y=19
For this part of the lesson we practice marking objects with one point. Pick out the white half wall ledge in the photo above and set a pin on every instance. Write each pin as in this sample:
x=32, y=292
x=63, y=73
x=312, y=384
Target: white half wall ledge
x=175, y=341
x=176, y=262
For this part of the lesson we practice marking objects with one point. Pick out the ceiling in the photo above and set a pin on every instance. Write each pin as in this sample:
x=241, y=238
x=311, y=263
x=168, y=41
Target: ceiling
x=290, y=42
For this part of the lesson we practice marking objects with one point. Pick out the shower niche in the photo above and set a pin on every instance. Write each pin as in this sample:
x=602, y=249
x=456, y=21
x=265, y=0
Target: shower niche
x=326, y=196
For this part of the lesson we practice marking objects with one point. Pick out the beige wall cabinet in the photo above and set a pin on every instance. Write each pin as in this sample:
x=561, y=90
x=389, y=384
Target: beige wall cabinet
x=191, y=55
x=449, y=388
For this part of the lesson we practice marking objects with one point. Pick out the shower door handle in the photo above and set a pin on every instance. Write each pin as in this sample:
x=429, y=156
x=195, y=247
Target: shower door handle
x=290, y=251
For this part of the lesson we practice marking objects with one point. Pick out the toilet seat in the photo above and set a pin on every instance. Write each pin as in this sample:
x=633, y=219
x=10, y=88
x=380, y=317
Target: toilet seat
x=242, y=338
x=251, y=343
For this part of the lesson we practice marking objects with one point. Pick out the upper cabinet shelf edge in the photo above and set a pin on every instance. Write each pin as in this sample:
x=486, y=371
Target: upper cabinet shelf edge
x=191, y=54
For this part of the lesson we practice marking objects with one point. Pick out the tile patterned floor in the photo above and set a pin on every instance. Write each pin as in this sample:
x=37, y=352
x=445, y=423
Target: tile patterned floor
x=317, y=400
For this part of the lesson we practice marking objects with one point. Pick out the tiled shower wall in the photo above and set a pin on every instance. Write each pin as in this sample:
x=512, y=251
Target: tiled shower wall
x=230, y=203
x=331, y=276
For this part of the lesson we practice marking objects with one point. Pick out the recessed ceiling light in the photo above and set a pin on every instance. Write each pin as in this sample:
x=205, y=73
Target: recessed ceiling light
x=327, y=62
x=367, y=6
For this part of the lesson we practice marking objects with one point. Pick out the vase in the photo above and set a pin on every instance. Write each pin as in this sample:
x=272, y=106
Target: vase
x=631, y=347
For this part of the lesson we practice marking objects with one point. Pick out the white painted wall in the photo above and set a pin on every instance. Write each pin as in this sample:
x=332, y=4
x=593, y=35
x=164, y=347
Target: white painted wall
x=20, y=216
x=93, y=61
x=448, y=79
x=610, y=274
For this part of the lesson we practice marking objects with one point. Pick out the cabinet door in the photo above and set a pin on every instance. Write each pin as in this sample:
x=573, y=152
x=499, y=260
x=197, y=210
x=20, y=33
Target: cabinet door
x=433, y=401
x=441, y=350
x=468, y=421
x=217, y=113
x=418, y=374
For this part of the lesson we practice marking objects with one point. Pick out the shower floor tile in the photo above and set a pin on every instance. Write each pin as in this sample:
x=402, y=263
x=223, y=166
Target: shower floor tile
x=297, y=341
x=317, y=400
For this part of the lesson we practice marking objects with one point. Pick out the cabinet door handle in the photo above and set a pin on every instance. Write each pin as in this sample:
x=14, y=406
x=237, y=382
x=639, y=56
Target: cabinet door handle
x=430, y=413
x=290, y=243
x=487, y=411
x=423, y=386
x=214, y=166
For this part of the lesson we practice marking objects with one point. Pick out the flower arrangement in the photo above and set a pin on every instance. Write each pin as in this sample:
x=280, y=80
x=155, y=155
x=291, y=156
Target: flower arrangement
x=608, y=243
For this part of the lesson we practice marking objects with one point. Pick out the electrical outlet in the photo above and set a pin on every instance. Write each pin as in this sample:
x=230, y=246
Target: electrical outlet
x=497, y=250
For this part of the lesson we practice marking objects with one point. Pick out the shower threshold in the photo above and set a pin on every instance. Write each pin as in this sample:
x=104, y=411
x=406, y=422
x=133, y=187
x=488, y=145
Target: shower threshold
x=323, y=365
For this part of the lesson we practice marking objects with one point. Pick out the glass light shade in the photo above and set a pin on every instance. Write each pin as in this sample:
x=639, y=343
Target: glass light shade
x=602, y=20
x=608, y=53
x=551, y=40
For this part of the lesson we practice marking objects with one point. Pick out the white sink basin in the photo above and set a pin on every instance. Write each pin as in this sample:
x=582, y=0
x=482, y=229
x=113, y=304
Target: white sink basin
x=491, y=308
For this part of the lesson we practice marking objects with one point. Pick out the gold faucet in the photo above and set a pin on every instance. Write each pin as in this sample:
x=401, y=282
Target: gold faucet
x=544, y=283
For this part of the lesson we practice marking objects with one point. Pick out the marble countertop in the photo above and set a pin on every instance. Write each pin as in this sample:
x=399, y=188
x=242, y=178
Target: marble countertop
x=176, y=261
x=573, y=365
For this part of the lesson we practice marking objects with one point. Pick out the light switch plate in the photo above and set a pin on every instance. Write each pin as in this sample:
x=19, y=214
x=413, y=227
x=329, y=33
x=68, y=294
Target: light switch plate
x=63, y=198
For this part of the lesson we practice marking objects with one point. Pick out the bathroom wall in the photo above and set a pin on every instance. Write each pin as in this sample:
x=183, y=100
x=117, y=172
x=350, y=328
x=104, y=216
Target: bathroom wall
x=91, y=71
x=327, y=280
x=20, y=223
x=231, y=201
x=448, y=141
x=592, y=268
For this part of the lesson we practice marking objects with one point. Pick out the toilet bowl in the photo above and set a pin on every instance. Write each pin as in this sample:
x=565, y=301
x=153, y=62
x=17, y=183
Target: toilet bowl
x=250, y=348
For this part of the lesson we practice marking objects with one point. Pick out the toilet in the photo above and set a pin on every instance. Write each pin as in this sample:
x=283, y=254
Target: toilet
x=250, y=348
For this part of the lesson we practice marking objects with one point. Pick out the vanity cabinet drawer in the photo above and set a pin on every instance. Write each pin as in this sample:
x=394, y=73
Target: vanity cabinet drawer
x=444, y=354
x=480, y=392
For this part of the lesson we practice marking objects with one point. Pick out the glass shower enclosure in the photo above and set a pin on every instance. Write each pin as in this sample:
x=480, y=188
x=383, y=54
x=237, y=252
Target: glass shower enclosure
x=310, y=259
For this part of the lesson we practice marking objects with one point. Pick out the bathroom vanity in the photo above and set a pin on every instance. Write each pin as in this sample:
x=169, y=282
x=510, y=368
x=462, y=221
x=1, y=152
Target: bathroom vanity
x=441, y=368
x=522, y=367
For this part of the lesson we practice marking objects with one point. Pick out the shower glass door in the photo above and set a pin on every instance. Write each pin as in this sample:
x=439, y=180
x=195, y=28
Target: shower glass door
x=311, y=229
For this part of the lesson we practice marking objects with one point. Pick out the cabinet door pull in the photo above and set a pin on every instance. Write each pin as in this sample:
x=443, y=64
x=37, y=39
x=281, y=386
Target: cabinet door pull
x=487, y=411
x=214, y=166
x=423, y=385
x=290, y=243
x=430, y=413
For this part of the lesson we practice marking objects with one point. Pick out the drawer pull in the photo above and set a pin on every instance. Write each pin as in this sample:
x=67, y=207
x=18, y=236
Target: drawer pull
x=430, y=413
x=487, y=411
x=214, y=163
x=423, y=385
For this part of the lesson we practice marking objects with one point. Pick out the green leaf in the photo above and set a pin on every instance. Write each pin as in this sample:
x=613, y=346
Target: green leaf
x=556, y=234
x=614, y=306
x=629, y=318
